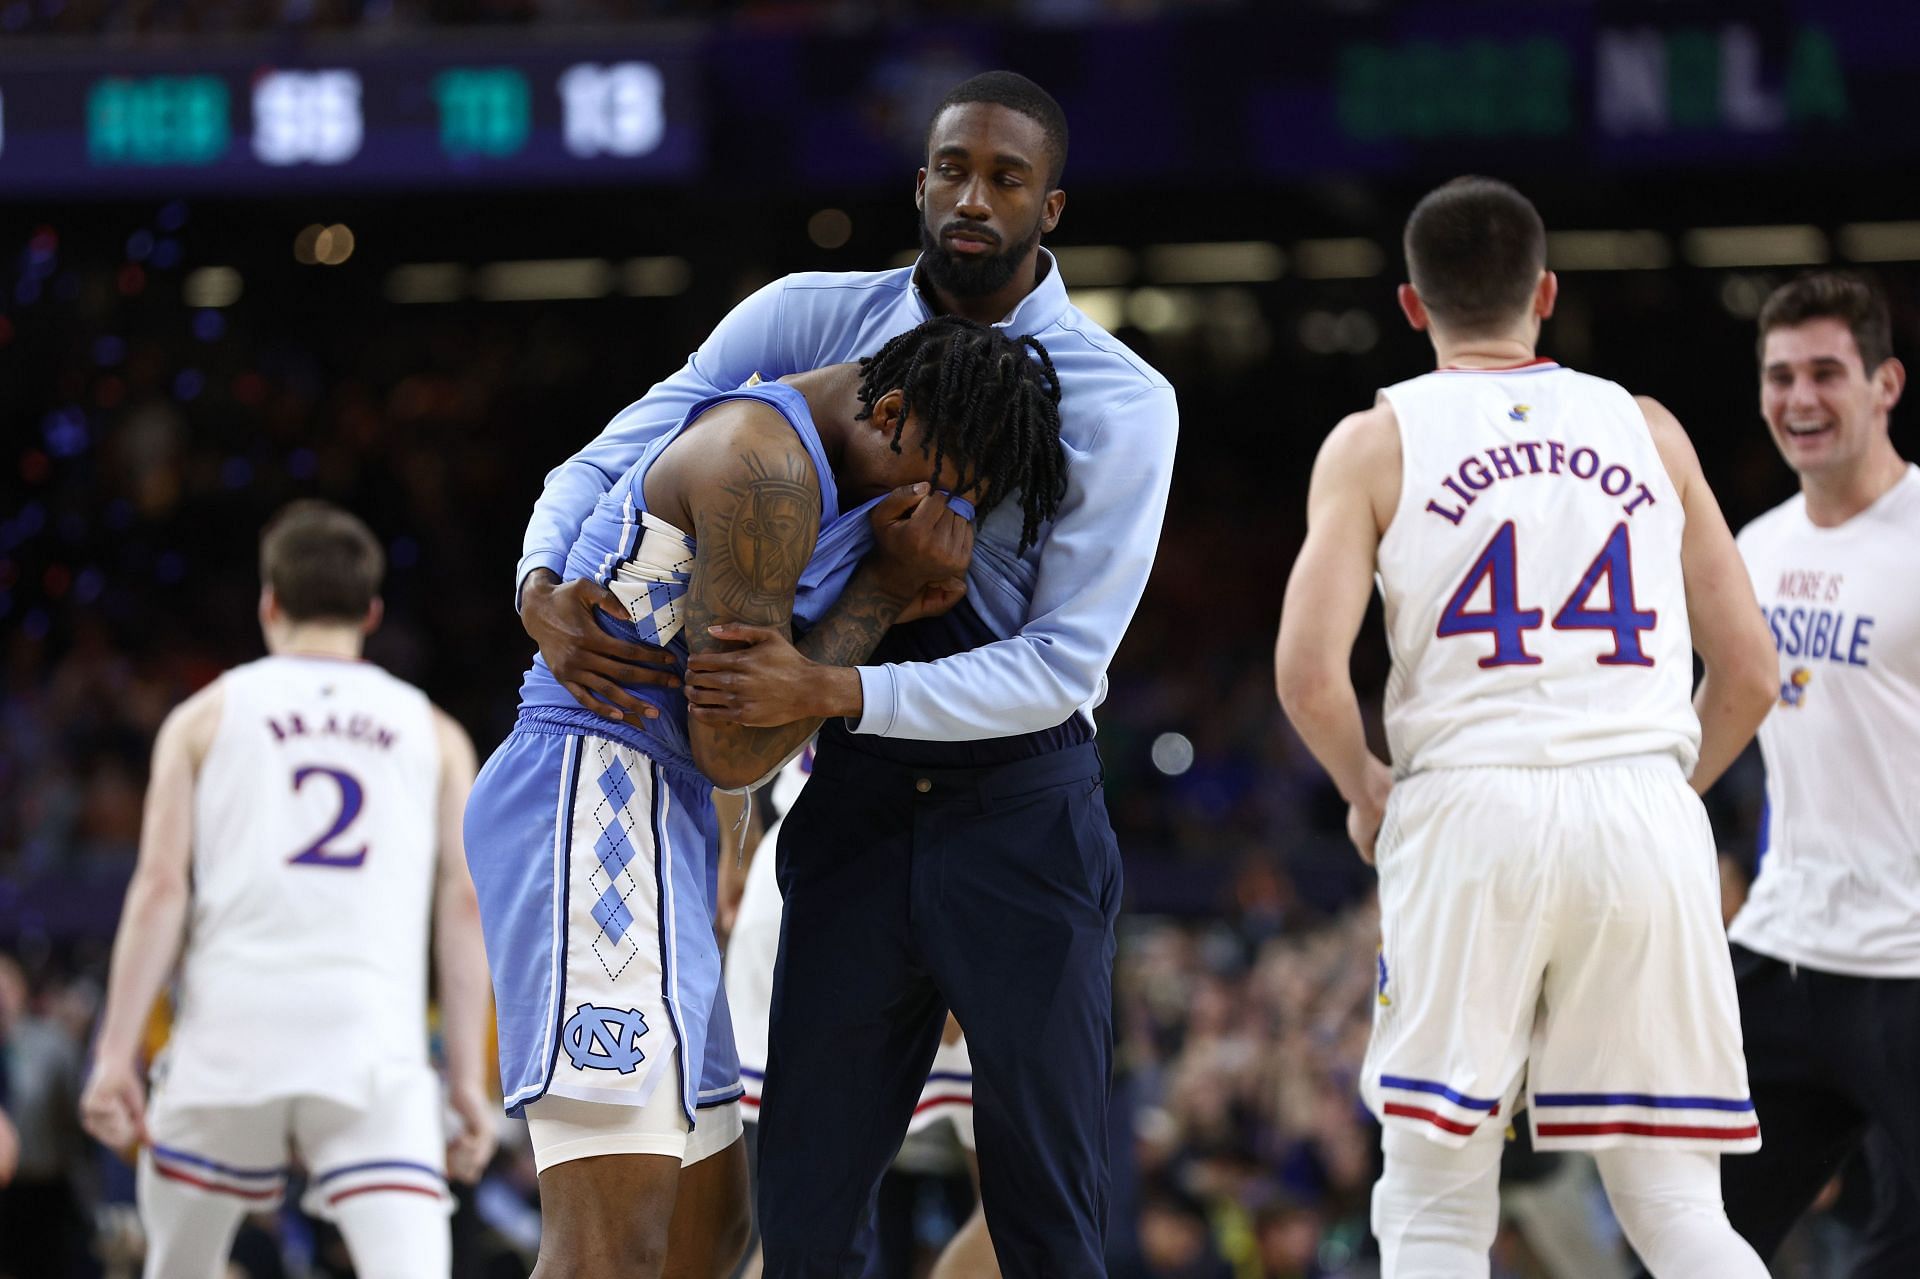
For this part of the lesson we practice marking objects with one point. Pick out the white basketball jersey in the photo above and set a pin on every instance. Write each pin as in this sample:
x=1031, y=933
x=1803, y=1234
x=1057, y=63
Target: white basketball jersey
x=1839, y=885
x=314, y=851
x=1531, y=575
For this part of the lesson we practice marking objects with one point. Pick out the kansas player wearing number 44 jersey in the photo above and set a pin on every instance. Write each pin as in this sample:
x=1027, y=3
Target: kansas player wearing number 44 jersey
x=302, y=831
x=1549, y=556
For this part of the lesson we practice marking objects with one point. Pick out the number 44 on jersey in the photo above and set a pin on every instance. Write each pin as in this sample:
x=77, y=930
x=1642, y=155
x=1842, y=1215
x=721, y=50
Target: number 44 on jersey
x=1508, y=622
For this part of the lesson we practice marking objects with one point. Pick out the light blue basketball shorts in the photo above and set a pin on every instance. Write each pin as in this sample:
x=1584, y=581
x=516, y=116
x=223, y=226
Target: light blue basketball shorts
x=595, y=867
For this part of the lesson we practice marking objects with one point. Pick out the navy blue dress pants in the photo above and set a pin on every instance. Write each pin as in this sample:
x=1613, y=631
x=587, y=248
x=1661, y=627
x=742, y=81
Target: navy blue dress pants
x=911, y=890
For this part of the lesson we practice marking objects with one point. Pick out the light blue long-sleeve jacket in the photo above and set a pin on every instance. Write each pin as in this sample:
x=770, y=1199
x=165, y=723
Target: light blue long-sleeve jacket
x=1060, y=607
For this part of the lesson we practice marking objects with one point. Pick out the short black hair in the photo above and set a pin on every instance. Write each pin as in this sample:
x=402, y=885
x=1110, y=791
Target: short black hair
x=323, y=562
x=1475, y=250
x=1854, y=299
x=989, y=402
x=1015, y=92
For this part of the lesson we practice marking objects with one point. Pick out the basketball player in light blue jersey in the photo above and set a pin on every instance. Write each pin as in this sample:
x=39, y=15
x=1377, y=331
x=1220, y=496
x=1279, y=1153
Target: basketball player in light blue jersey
x=593, y=841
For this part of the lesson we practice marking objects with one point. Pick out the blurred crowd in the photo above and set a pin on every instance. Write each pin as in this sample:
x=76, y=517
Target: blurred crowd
x=152, y=439
x=162, y=437
x=159, y=437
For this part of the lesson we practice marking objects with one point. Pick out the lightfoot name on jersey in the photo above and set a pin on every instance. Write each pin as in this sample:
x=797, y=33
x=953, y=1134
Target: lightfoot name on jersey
x=1542, y=457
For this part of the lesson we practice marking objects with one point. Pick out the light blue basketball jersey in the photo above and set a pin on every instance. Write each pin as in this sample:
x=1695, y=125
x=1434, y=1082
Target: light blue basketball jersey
x=593, y=842
x=612, y=535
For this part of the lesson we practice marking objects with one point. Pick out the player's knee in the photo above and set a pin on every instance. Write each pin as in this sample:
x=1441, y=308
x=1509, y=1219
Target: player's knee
x=1438, y=1193
x=1668, y=1205
x=624, y=1242
x=734, y=1233
x=612, y=1250
x=738, y=1233
x=396, y=1235
x=717, y=1249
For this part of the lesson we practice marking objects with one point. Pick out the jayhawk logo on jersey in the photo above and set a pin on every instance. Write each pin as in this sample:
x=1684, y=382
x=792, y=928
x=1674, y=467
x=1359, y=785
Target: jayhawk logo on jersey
x=1519, y=412
x=1794, y=691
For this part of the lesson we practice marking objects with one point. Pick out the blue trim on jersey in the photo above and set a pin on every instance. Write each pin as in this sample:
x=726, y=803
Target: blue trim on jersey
x=1404, y=1084
x=563, y=833
x=226, y=1170
x=731, y=1095
x=1765, y=840
x=325, y=1177
x=792, y=405
x=1649, y=1100
x=950, y=1077
x=663, y=890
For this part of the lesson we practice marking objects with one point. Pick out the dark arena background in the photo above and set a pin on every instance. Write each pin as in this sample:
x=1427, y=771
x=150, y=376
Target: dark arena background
x=408, y=255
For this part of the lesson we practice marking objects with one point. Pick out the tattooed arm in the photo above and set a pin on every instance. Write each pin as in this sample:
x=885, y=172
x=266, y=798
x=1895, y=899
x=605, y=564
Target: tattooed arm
x=936, y=546
x=755, y=676
x=756, y=514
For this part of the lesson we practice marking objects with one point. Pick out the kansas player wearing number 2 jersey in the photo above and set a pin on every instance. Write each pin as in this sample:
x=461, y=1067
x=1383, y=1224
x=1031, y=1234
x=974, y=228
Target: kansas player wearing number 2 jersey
x=1549, y=557
x=302, y=833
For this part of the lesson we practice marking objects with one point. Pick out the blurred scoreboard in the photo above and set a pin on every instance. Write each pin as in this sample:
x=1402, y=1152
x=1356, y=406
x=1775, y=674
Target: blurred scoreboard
x=1275, y=92
x=365, y=120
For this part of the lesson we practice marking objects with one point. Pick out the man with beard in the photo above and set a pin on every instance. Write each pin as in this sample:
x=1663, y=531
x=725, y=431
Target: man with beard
x=952, y=849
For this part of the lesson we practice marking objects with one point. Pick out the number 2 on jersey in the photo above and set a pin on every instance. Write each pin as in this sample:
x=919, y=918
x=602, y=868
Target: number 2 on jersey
x=1508, y=623
x=351, y=798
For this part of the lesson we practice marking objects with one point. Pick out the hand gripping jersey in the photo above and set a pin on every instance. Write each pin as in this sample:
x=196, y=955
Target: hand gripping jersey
x=1531, y=575
x=648, y=564
x=1839, y=886
x=314, y=854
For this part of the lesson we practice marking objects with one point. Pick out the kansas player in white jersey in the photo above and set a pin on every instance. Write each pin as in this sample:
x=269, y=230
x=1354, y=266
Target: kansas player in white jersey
x=1827, y=948
x=301, y=841
x=1549, y=556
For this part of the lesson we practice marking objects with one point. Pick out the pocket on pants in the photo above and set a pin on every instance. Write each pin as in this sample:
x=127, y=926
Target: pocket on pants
x=1089, y=834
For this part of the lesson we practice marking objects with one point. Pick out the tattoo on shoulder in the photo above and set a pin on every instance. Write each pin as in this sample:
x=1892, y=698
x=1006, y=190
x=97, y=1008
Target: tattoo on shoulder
x=759, y=536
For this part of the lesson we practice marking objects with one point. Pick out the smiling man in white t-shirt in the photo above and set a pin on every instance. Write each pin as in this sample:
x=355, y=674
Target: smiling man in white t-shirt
x=1827, y=948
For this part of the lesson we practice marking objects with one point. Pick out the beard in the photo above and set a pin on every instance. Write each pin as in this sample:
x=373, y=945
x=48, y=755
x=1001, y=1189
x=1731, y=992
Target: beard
x=971, y=276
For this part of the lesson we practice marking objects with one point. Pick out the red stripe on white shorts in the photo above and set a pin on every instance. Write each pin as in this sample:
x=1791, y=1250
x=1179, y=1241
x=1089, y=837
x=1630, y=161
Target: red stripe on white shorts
x=1438, y=1121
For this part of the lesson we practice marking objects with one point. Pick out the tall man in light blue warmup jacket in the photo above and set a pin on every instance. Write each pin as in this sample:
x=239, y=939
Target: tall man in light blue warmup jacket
x=952, y=848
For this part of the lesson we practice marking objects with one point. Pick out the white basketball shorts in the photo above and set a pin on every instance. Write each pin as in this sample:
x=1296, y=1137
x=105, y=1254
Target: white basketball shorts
x=396, y=1144
x=1557, y=928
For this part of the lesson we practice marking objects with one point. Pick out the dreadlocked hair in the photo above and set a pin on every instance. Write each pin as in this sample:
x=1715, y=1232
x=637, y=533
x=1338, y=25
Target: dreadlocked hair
x=988, y=402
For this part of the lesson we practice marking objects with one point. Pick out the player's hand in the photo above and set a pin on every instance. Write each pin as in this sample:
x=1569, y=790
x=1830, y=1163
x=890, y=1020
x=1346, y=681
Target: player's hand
x=918, y=540
x=935, y=598
x=764, y=684
x=589, y=663
x=113, y=1107
x=471, y=1149
x=9, y=1149
x=1366, y=813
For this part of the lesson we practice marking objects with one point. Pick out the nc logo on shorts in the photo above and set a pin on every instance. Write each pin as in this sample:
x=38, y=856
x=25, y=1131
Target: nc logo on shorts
x=604, y=1038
